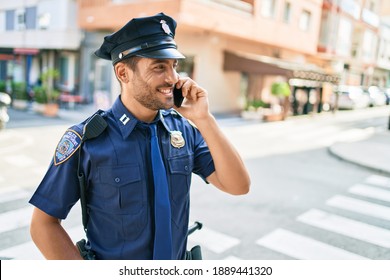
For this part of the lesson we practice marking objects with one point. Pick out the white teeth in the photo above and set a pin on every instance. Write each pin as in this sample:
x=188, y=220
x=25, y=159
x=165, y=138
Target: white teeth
x=166, y=91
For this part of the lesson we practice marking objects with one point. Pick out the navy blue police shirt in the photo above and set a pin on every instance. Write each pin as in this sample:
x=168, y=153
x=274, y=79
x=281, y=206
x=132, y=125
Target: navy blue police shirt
x=119, y=180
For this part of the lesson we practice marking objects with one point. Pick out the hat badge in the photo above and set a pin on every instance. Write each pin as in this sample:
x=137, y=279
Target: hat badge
x=177, y=139
x=165, y=27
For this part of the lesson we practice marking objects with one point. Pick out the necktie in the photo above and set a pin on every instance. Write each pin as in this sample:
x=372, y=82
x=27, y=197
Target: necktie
x=162, y=208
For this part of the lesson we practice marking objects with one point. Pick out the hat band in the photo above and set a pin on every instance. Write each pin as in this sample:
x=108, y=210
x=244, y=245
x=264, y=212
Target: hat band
x=147, y=45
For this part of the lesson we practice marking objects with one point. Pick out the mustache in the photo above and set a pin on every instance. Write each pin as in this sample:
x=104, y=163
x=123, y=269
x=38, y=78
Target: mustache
x=166, y=85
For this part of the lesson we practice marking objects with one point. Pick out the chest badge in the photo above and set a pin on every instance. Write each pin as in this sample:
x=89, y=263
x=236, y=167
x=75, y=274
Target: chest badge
x=177, y=139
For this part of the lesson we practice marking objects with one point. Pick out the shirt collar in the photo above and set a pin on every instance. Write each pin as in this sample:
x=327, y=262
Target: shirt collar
x=126, y=120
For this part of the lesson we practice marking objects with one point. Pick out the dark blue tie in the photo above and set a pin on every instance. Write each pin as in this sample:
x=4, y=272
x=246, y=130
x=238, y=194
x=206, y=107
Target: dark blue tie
x=162, y=207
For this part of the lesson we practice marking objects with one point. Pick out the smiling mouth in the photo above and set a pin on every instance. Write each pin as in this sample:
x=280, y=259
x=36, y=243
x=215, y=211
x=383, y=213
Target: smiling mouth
x=166, y=92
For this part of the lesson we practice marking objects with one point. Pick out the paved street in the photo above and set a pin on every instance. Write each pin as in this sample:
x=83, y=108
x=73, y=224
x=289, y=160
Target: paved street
x=303, y=204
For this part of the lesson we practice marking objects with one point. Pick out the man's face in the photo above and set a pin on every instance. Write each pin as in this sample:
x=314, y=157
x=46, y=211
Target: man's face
x=153, y=81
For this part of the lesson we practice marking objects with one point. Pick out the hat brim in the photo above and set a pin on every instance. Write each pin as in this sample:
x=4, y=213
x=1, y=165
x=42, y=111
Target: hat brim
x=169, y=53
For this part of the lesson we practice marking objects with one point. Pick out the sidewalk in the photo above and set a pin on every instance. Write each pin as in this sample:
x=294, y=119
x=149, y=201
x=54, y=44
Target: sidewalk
x=372, y=153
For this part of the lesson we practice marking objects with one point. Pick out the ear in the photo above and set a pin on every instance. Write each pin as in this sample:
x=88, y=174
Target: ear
x=122, y=72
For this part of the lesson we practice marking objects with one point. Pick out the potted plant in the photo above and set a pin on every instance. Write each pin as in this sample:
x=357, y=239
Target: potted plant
x=19, y=95
x=282, y=91
x=254, y=109
x=45, y=95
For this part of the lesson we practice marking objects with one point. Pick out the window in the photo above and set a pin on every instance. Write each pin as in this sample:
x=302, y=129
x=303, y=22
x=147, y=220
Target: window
x=20, y=19
x=31, y=17
x=268, y=8
x=304, y=20
x=344, y=37
x=369, y=45
x=10, y=20
x=44, y=21
x=186, y=67
x=287, y=12
x=64, y=70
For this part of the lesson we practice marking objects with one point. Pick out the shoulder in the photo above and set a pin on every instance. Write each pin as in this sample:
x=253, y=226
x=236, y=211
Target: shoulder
x=71, y=140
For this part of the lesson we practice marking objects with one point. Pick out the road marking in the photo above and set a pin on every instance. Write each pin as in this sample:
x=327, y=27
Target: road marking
x=14, y=195
x=360, y=206
x=214, y=241
x=20, y=160
x=378, y=180
x=19, y=140
x=24, y=251
x=232, y=258
x=28, y=250
x=303, y=248
x=371, y=192
x=15, y=219
x=347, y=227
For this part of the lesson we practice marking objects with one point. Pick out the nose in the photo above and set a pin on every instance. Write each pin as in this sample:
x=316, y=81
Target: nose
x=171, y=76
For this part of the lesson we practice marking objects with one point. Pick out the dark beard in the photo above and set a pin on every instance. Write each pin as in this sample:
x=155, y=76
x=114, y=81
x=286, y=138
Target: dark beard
x=147, y=97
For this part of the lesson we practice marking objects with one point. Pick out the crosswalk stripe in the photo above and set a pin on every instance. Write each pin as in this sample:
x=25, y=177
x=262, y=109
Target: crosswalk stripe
x=371, y=192
x=360, y=206
x=15, y=219
x=28, y=250
x=232, y=258
x=347, y=227
x=20, y=160
x=24, y=251
x=14, y=195
x=214, y=241
x=303, y=248
x=378, y=180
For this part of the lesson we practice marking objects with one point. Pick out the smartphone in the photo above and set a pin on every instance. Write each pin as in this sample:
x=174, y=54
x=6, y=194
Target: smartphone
x=177, y=97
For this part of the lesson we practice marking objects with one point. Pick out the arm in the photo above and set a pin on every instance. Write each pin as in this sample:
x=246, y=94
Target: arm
x=230, y=173
x=51, y=238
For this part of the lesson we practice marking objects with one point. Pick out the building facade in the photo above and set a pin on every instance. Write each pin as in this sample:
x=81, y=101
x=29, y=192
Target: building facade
x=354, y=38
x=38, y=35
x=236, y=49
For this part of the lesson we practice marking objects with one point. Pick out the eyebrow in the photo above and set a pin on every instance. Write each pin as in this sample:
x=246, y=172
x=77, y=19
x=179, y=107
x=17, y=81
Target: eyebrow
x=165, y=61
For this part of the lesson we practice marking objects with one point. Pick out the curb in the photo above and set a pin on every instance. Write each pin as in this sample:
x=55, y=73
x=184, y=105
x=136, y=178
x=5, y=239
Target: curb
x=365, y=159
x=361, y=165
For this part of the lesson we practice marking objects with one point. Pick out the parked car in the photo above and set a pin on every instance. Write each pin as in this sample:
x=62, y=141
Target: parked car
x=350, y=97
x=376, y=96
x=386, y=92
x=5, y=101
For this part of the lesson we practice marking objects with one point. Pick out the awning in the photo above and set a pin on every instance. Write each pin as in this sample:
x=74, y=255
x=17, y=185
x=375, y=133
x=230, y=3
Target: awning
x=256, y=64
x=6, y=57
x=233, y=62
x=26, y=51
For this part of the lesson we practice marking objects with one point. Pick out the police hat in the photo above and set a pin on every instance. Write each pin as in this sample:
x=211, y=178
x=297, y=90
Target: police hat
x=147, y=37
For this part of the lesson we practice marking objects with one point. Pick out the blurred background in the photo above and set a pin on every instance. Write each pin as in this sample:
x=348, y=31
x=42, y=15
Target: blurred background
x=241, y=51
x=301, y=88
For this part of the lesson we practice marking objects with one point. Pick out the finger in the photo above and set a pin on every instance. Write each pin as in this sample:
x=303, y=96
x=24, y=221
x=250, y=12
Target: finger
x=185, y=87
x=193, y=92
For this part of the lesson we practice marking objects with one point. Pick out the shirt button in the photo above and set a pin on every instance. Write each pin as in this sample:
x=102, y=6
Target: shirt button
x=117, y=180
x=186, y=168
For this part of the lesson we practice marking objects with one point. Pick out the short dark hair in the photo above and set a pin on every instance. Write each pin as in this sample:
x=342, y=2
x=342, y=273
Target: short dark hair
x=131, y=62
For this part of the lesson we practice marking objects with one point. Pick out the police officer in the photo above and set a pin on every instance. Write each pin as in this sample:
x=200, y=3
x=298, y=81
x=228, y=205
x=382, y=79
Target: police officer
x=138, y=170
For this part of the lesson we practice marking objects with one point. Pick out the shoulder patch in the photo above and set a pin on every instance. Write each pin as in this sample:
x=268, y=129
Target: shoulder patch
x=67, y=146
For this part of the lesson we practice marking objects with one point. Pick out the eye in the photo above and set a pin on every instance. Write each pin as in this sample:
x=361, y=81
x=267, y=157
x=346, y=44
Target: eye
x=159, y=67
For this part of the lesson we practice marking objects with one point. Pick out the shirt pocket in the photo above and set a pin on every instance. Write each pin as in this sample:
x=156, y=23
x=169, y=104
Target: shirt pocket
x=180, y=170
x=120, y=189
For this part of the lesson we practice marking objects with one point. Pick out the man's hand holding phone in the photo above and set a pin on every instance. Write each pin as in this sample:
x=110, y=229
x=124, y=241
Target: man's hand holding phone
x=191, y=100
